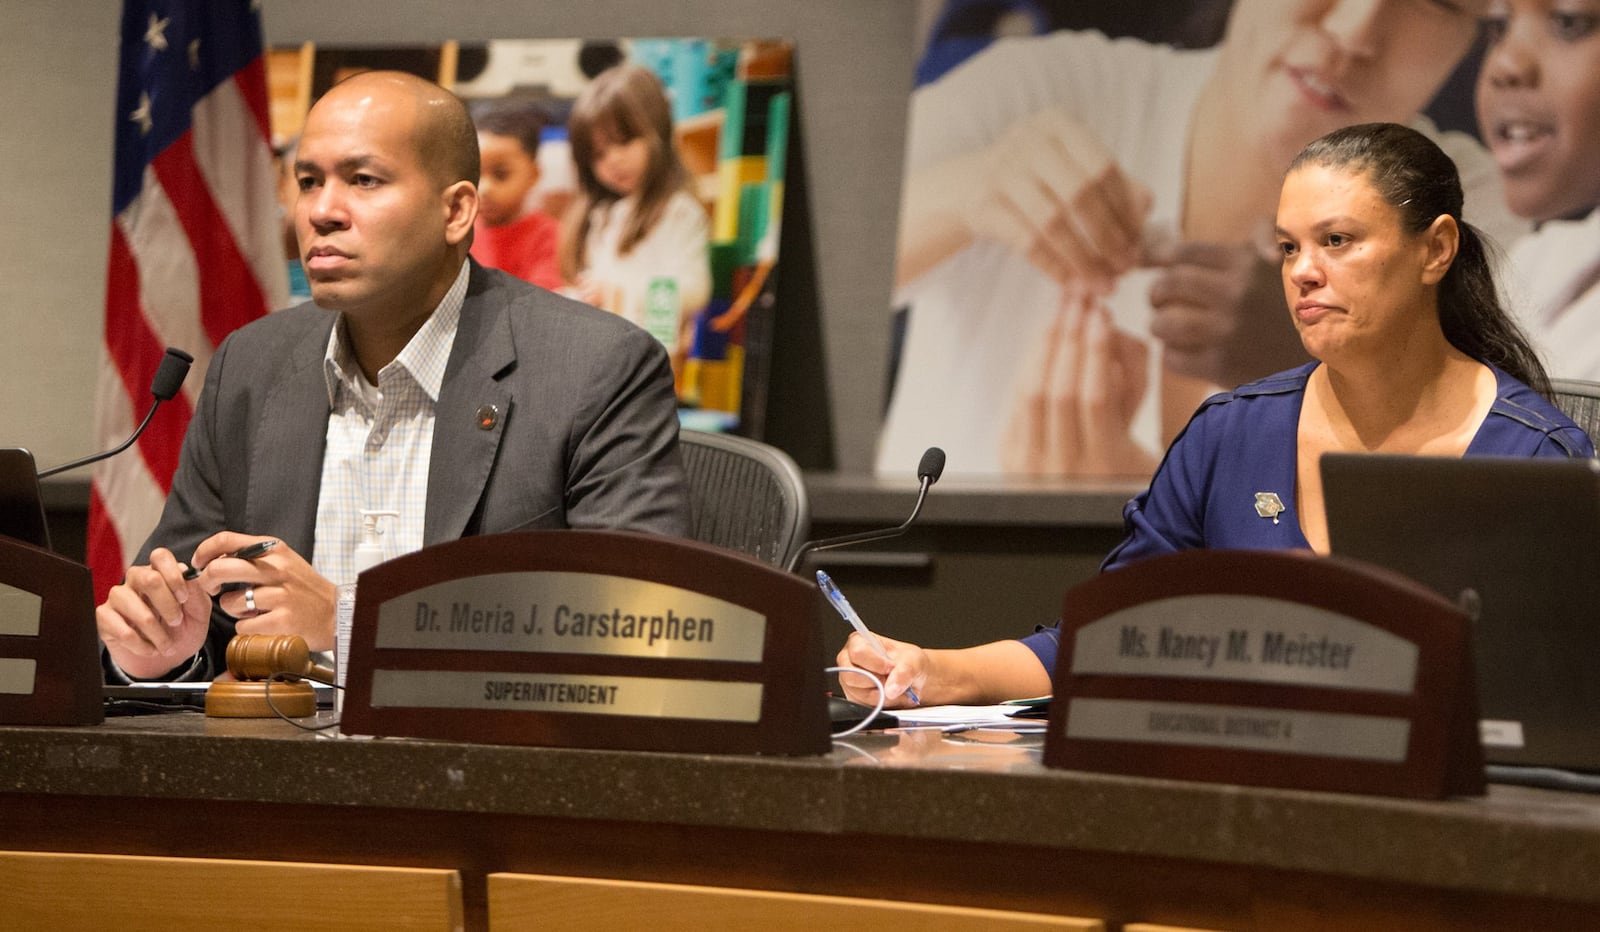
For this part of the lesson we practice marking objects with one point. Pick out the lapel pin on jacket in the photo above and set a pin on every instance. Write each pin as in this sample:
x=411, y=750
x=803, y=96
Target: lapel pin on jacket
x=489, y=416
x=1269, y=505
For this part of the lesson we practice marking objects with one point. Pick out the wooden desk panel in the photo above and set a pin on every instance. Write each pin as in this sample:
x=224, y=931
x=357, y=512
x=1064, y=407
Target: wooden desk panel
x=520, y=901
x=68, y=892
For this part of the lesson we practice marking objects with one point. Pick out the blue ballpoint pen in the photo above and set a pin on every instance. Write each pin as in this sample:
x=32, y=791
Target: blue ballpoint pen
x=842, y=606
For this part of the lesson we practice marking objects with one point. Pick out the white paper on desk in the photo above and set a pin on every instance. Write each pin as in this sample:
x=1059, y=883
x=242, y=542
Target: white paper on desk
x=989, y=716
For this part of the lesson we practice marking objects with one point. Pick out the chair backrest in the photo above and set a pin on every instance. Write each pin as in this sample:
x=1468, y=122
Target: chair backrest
x=744, y=495
x=1580, y=401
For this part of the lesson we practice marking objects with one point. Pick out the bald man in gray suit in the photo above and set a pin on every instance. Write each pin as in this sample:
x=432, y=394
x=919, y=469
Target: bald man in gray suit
x=462, y=398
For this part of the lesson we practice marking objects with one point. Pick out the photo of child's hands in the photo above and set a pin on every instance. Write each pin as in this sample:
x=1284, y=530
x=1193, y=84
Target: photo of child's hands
x=1219, y=313
x=1051, y=190
x=1073, y=405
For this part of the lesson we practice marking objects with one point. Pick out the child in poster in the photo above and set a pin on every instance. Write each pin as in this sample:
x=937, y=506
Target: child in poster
x=510, y=234
x=634, y=240
x=1538, y=102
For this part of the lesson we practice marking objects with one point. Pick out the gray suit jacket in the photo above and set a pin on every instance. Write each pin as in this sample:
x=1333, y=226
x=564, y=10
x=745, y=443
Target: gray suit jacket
x=586, y=435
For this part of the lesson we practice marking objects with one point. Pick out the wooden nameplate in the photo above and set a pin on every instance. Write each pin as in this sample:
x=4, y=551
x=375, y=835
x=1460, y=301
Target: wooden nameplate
x=595, y=639
x=49, y=652
x=1277, y=669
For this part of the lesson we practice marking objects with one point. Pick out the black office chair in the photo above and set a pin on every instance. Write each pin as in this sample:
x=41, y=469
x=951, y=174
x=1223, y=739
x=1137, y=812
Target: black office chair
x=744, y=495
x=1580, y=401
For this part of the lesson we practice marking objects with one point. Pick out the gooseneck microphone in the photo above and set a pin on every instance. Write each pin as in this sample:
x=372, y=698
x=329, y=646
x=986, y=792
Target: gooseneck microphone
x=928, y=471
x=169, y=378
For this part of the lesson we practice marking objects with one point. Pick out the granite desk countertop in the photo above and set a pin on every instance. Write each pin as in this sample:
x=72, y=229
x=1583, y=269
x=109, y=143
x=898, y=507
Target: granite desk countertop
x=1515, y=841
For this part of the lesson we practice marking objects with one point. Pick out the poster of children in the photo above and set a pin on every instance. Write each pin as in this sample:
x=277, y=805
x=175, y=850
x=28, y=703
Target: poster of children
x=1086, y=238
x=643, y=176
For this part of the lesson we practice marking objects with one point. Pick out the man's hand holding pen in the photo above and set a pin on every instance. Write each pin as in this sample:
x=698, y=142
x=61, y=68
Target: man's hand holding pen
x=155, y=619
x=159, y=615
x=249, y=552
x=275, y=592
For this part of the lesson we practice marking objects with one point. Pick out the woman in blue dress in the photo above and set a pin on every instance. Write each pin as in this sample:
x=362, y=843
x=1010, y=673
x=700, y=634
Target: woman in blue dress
x=1392, y=295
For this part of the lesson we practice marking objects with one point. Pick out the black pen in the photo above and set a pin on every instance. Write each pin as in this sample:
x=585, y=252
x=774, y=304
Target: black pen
x=245, y=553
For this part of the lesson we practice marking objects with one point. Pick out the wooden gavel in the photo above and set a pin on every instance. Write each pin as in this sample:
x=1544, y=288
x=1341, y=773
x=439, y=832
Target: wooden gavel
x=261, y=656
x=255, y=660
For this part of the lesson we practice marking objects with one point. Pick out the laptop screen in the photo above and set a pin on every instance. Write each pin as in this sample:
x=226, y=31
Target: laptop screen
x=1514, y=541
x=21, y=508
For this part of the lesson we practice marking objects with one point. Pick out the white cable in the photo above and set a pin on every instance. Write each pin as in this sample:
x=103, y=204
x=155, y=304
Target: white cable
x=850, y=747
x=882, y=698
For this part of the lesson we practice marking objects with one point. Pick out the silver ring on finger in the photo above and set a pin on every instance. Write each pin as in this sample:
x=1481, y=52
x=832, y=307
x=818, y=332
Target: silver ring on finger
x=250, y=598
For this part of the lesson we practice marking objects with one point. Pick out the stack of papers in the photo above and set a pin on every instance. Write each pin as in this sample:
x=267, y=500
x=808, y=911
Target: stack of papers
x=966, y=717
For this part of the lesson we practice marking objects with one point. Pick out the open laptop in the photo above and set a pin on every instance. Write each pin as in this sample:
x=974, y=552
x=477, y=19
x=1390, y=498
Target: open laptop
x=1517, y=543
x=21, y=507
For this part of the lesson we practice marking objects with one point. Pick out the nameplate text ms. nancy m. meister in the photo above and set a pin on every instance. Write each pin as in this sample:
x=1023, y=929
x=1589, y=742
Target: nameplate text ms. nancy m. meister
x=1246, y=638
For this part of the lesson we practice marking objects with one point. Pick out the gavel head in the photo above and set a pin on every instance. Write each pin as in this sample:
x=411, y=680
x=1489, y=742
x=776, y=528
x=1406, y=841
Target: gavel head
x=261, y=656
x=255, y=660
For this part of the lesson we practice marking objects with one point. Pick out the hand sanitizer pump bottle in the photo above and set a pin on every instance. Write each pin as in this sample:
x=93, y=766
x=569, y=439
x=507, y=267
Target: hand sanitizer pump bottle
x=369, y=553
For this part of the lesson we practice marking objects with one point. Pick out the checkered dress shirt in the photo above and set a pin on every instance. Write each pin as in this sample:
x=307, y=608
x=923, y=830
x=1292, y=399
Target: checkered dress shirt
x=379, y=440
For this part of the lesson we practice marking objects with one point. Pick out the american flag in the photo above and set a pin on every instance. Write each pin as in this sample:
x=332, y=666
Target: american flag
x=195, y=243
